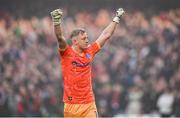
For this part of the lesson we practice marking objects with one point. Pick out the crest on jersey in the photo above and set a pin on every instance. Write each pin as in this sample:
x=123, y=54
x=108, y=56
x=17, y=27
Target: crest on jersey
x=88, y=56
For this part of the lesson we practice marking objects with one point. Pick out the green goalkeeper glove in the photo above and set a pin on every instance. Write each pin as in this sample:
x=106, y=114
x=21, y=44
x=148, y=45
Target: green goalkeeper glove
x=56, y=16
x=119, y=13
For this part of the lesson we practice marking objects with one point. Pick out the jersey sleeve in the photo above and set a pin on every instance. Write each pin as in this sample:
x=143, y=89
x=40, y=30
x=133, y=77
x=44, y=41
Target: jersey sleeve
x=63, y=52
x=94, y=48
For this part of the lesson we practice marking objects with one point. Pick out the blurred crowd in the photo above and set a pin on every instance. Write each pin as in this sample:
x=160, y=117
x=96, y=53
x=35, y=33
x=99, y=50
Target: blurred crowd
x=136, y=72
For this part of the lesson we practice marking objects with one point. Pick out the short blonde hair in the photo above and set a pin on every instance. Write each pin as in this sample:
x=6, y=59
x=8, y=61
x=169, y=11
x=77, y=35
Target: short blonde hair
x=76, y=32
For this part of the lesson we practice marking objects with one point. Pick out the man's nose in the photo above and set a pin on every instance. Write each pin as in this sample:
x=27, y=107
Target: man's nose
x=87, y=40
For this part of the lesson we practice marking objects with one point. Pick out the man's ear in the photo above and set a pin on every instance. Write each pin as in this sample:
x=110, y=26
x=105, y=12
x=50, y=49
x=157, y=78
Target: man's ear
x=74, y=41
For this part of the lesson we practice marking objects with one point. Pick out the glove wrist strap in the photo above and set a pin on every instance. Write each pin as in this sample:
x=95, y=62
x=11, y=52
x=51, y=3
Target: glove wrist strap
x=56, y=22
x=116, y=19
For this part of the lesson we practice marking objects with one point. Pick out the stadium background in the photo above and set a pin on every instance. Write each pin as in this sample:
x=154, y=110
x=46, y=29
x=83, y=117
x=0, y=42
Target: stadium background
x=137, y=67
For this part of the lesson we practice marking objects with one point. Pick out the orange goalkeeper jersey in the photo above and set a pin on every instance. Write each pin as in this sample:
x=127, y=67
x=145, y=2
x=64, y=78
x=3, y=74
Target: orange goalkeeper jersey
x=77, y=75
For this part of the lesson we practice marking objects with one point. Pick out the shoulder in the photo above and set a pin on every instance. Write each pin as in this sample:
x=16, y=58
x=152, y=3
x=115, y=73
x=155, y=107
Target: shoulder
x=93, y=48
x=65, y=51
x=94, y=45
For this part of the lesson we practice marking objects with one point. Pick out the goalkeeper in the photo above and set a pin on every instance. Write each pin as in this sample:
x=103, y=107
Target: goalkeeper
x=76, y=61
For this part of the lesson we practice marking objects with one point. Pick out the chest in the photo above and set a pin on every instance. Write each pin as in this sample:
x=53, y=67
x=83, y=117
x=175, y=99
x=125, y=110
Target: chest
x=78, y=60
x=82, y=60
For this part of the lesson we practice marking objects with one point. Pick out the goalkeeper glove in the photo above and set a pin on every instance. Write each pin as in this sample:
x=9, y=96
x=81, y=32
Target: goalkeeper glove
x=56, y=16
x=119, y=13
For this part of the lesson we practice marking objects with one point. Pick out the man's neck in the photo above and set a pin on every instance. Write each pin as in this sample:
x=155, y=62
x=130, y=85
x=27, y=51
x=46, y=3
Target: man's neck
x=77, y=49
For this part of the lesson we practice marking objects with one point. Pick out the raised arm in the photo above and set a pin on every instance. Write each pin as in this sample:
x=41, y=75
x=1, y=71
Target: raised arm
x=56, y=18
x=109, y=30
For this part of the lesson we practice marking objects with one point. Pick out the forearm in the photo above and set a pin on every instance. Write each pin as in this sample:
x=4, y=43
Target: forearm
x=106, y=34
x=56, y=18
x=109, y=30
x=59, y=36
